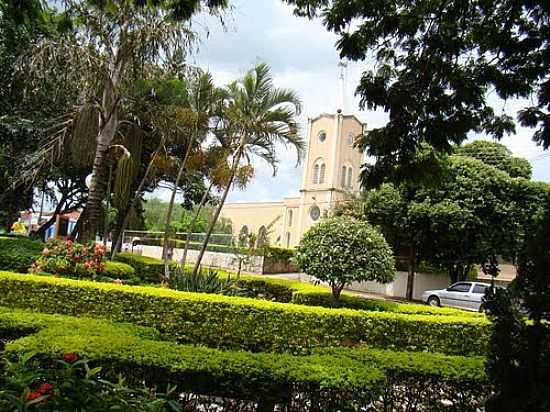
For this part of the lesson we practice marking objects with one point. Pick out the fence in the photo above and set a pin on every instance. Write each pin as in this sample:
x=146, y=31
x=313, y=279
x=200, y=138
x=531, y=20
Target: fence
x=175, y=239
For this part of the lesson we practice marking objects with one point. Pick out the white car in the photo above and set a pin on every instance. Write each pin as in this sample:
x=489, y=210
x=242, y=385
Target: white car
x=461, y=295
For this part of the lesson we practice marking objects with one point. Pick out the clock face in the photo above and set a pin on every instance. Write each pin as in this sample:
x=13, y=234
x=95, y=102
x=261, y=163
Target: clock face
x=314, y=213
x=322, y=136
x=350, y=139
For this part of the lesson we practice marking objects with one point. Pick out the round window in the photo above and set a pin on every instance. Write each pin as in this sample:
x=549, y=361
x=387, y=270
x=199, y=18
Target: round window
x=350, y=139
x=314, y=213
x=322, y=136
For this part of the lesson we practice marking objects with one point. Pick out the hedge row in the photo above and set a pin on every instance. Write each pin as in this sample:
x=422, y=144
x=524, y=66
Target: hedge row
x=149, y=270
x=335, y=379
x=291, y=291
x=18, y=253
x=252, y=324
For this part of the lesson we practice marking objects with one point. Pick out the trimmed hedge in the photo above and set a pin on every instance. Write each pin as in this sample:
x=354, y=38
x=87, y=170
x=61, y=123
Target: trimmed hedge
x=231, y=322
x=334, y=379
x=149, y=270
x=119, y=270
x=18, y=253
x=293, y=291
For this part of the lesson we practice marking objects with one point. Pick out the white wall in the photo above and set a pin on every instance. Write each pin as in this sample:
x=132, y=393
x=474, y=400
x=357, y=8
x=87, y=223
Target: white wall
x=212, y=259
x=398, y=288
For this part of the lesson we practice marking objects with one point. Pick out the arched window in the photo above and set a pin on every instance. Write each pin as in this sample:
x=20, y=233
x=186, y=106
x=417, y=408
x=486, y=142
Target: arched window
x=288, y=239
x=319, y=169
x=350, y=177
x=343, y=177
x=262, y=237
x=315, y=174
x=289, y=218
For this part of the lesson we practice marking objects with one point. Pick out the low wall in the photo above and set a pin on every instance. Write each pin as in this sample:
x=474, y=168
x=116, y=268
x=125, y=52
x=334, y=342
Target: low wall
x=213, y=259
x=398, y=288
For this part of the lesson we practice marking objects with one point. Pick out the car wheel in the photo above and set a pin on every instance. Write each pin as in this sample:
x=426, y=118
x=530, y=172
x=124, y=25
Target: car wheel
x=434, y=301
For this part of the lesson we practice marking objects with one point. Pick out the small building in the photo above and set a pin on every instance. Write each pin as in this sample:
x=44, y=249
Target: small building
x=60, y=229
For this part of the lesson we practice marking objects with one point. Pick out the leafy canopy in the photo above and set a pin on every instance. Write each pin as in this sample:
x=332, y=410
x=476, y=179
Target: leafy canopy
x=341, y=250
x=436, y=62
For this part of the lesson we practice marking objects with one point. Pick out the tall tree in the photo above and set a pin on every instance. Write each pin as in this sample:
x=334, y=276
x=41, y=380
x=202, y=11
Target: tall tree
x=115, y=42
x=519, y=358
x=256, y=118
x=437, y=62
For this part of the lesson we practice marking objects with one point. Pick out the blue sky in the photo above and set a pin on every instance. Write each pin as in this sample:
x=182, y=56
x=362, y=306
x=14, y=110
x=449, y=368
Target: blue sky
x=302, y=56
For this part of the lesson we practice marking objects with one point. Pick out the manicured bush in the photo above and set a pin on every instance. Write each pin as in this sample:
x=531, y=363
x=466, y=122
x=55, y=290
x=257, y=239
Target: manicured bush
x=342, y=250
x=149, y=270
x=284, y=290
x=71, y=258
x=329, y=379
x=119, y=270
x=278, y=253
x=18, y=253
x=231, y=322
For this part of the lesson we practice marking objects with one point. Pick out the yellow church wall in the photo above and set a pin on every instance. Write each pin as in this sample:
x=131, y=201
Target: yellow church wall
x=254, y=216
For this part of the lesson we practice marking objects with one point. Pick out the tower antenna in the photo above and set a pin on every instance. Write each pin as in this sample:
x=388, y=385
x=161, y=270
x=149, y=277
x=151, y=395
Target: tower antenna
x=340, y=102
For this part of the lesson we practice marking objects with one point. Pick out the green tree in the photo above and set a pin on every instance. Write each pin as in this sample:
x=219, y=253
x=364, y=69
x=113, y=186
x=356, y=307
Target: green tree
x=436, y=63
x=114, y=44
x=519, y=357
x=497, y=155
x=257, y=117
x=342, y=250
x=471, y=214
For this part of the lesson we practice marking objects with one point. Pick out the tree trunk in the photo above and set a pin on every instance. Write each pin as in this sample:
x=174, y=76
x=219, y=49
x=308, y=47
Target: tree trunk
x=117, y=241
x=212, y=224
x=165, y=254
x=411, y=272
x=88, y=222
x=336, y=291
x=193, y=223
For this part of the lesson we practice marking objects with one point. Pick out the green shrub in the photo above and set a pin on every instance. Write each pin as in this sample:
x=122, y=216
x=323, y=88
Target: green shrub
x=334, y=379
x=149, y=270
x=232, y=322
x=278, y=253
x=293, y=291
x=342, y=250
x=18, y=253
x=119, y=270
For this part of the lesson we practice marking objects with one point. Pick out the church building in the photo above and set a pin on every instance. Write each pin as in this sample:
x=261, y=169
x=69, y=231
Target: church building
x=330, y=176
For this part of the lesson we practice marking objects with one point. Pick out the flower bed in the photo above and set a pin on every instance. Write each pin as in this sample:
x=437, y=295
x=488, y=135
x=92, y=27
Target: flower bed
x=230, y=322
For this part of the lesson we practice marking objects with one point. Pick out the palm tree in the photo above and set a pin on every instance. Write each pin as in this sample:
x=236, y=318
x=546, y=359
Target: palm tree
x=114, y=43
x=202, y=98
x=256, y=118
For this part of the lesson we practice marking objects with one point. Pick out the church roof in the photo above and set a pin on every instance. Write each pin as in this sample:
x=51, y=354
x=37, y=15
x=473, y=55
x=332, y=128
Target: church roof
x=332, y=116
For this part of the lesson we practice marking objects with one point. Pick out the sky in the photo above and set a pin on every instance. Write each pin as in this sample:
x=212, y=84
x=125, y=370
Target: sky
x=303, y=57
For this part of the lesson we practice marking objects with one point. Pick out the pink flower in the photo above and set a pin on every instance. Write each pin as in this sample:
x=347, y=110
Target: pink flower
x=70, y=357
x=99, y=250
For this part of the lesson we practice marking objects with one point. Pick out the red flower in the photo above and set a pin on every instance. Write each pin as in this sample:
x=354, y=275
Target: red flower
x=34, y=395
x=46, y=252
x=70, y=357
x=45, y=388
